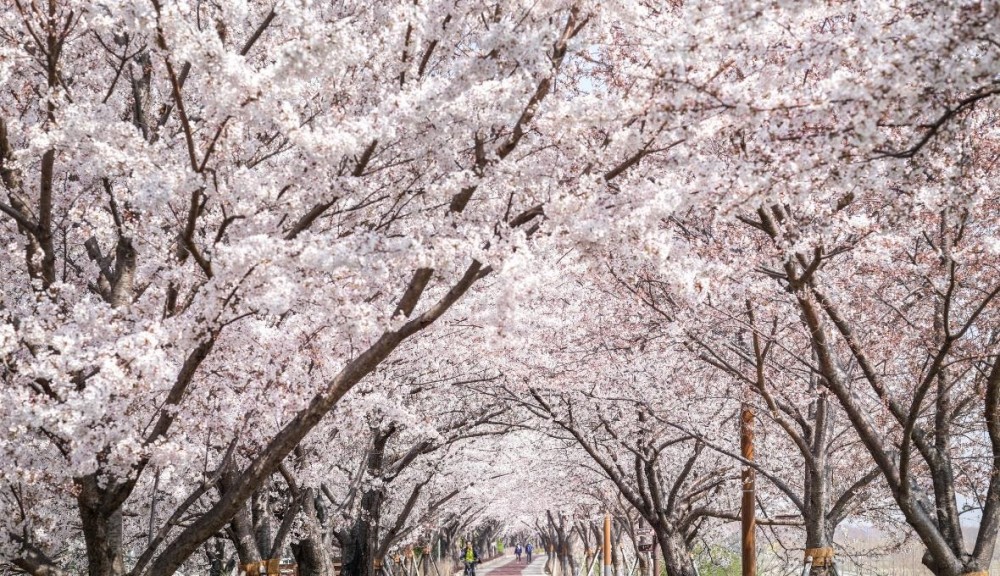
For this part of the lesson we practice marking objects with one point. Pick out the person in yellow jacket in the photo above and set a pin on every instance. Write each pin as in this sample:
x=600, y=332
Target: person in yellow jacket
x=470, y=557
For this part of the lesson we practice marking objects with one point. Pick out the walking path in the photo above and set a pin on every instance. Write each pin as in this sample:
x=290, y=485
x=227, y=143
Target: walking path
x=506, y=566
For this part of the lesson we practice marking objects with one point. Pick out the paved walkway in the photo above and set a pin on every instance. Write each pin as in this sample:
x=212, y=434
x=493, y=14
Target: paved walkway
x=507, y=566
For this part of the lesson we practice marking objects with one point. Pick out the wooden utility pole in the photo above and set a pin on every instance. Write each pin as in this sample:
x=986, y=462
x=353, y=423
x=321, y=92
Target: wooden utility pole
x=748, y=511
x=606, y=548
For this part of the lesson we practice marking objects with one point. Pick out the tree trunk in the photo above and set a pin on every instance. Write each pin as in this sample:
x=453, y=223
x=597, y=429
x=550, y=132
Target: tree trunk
x=812, y=541
x=362, y=540
x=263, y=520
x=216, y=553
x=312, y=553
x=425, y=562
x=643, y=560
x=565, y=566
x=311, y=558
x=241, y=528
x=482, y=544
x=677, y=557
x=818, y=532
x=243, y=540
x=548, y=547
x=360, y=545
x=102, y=531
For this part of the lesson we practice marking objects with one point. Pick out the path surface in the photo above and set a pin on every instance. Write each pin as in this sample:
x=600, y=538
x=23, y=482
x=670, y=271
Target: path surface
x=507, y=566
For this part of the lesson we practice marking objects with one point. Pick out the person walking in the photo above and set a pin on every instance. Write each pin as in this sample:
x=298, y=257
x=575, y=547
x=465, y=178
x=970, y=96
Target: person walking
x=527, y=550
x=517, y=552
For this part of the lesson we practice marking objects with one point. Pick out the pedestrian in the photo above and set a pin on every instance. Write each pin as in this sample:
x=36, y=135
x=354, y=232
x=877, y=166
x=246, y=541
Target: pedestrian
x=517, y=552
x=470, y=558
x=527, y=550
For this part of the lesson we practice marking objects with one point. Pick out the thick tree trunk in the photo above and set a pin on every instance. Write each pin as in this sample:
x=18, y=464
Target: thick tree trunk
x=546, y=548
x=562, y=544
x=312, y=558
x=312, y=553
x=362, y=539
x=356, y=560
x=102, y=531
x=241, y=528
x=677, y=557
x=564, y=565
x=819, y=534
x=243, y=538
x=216, y=553
x=360, y=545
x=563, y=553
x=818, y=540
x=103, y=535
x=425, y=563
x=484, y=545
x=263, y=520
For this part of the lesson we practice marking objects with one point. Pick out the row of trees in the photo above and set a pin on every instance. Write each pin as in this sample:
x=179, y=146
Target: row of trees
x=305, y=278
x=225, y=216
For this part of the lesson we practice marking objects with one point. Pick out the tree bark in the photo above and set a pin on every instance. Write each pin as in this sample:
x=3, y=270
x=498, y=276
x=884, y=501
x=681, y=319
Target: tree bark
x=361, y=543
x=677, y=557
x=362, y=539
x=262, y=521
x=102, y=530
x=312, y=553
x=241, y=528
x=216, y=557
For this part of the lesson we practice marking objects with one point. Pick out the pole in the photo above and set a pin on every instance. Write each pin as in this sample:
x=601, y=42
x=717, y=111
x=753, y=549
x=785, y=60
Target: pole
x=607, y=545
x=748, y=513
x=656, y=557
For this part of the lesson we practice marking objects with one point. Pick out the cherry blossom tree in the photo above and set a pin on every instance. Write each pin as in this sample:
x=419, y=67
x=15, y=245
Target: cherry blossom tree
x=616, y=396
x=772, y=368
x=845, y=190
x=213, y=207
x=224, y=223
x=850, y=224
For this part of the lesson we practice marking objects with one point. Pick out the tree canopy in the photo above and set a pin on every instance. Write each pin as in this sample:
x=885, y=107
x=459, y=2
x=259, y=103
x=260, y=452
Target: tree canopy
x=327, y=280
